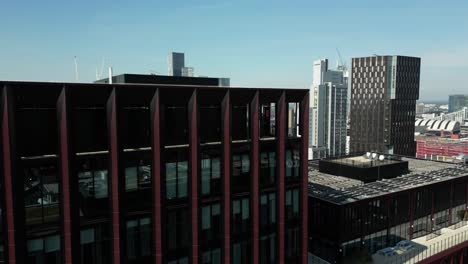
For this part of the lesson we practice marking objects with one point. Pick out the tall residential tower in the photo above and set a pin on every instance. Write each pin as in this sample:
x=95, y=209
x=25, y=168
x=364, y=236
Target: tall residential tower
x=329, y=101
x=384, y=90
x=457, y=102
x=175, y=63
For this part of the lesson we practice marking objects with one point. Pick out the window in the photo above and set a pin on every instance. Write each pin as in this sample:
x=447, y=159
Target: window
x=138, y=175
x=90, y=129
x=267, y=210
x=240, y=216
x=210, y=123
x=236, y=253
x=211, y=221
x=175, y=130
x=267, y=227
x=212, y=256
x=293, y=119
x=267, y=168
x=176, y=179
x=135, y=119
x=183, y=260
x=240, y=117
x=210, y=174
x=139, y=238
x=41, y=187
x=44, y=250
x=240, y=165
x=292, y=243
x=267, y=120
x=292, y=204
x=292, y=164
x=95, y=244
x=211, y=233
x=240, y=174
x=292, y=224
x=240, y=231
x=241, y=252
x=92, y=178
x=267, y=249
x=177, y=235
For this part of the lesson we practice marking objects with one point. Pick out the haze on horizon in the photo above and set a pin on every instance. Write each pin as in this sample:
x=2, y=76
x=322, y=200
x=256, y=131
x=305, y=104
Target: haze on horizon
x=255, y=43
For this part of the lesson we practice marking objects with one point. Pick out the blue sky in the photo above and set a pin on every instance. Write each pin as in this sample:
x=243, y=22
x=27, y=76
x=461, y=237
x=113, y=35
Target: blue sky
x=256, y=43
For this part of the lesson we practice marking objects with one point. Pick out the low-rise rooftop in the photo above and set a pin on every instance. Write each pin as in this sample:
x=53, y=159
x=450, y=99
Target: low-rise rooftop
x=342, y=190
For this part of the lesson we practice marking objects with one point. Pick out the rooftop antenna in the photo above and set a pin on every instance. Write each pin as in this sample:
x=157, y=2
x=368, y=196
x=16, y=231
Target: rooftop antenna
x=76, y=69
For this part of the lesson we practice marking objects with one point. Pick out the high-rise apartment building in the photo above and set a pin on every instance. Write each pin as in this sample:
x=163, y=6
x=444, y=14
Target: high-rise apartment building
x=175, y=63
x=177, y=68
x=152, y=173
x=384, y=90
x=457, y=102
x=319, y=70
x=329, y=108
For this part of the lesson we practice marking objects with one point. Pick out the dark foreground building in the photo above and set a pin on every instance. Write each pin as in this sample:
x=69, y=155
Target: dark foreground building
x=98, y=173
x=384, y=90
x=351, y=220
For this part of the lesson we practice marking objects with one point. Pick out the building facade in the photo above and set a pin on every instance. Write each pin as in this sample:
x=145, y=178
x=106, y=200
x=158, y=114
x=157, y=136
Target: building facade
x=125, y=173
x=436, y=148
x=384, y=90
x=329, y=110
x=420, y=109
x=457, y=102
x=351, y=221
x=188, y=72
x=175, y=63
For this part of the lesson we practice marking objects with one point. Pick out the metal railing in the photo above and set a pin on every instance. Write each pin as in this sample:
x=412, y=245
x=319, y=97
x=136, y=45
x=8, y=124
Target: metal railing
x=421, y=252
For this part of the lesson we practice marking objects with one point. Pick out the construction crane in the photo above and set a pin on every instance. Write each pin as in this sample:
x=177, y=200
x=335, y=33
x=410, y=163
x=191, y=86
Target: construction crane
x=341, y=64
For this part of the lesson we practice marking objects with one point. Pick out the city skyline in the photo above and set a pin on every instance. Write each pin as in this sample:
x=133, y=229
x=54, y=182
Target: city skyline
x=254, y=44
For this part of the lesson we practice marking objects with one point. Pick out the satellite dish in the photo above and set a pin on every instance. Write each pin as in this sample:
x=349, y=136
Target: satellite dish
x=368, y=155
x=381, y=157
x=374, y=155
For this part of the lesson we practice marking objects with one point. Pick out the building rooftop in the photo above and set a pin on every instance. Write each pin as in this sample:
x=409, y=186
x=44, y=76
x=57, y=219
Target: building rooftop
x=361, y=161
x=438, y=125
x=340, y=190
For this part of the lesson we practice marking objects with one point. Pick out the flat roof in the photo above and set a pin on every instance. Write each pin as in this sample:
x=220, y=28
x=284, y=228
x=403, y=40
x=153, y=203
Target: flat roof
x=340, y=190
x=73, y=84
x=361, y=161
